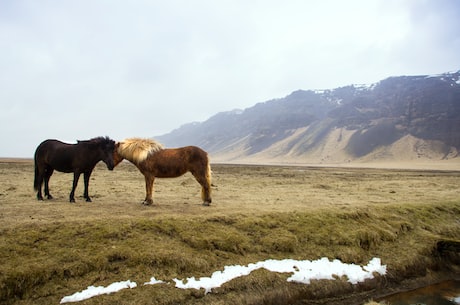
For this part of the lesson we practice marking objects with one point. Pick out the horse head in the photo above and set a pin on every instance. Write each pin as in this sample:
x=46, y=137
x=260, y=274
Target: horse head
x=117, y=158
x=107, y=147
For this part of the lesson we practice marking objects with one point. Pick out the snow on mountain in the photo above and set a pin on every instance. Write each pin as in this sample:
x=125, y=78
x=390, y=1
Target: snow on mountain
x=355, y=123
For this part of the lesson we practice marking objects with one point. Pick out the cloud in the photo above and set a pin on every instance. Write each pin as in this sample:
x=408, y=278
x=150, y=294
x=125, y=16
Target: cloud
x=78, y=69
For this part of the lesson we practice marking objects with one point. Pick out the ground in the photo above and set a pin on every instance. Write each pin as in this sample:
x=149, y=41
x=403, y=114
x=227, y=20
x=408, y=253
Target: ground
x=53, y=248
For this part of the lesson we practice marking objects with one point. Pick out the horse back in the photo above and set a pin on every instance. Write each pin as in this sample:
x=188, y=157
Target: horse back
x=174, y=162
x=58, y=155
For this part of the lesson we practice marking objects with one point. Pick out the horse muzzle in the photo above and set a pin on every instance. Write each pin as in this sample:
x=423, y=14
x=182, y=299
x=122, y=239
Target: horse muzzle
x=110, y=166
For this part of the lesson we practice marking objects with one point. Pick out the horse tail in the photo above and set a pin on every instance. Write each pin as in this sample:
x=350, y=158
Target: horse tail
x=208, y=173
x=208, y=182
x=36, y=181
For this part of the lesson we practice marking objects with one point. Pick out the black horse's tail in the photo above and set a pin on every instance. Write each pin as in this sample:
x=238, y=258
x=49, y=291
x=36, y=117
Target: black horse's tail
x=36, y=180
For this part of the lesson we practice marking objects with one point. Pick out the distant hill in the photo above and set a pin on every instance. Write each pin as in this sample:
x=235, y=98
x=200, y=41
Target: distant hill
x=399, y=118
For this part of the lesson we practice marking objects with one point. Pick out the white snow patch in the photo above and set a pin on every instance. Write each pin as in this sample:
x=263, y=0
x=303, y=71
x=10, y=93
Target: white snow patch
x=303, y=272
x=363, y=87
x=93, y=291
x=153, y=281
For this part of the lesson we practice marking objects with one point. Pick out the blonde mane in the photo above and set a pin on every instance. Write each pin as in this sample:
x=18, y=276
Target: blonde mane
x=138, y=149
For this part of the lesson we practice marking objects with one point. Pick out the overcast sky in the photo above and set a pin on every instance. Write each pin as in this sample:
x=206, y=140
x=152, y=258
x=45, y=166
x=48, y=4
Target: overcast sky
x=80, y=69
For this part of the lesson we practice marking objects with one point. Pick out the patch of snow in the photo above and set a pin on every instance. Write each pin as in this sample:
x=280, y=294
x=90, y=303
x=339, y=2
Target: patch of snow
x=153, y=281
x=451, y=76
x=363, y=87
x=93, y=291
x=303, y=272
x=237, y=111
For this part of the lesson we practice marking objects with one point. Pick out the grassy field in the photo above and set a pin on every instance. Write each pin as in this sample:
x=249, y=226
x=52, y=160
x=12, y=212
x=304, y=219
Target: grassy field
x=53, y=248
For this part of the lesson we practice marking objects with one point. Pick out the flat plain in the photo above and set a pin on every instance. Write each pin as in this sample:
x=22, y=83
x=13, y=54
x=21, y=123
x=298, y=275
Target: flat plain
x=52, y=248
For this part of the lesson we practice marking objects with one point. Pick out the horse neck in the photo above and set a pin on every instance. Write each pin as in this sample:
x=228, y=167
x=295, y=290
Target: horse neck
x=93, y=153
x=131, y=159
x=133, y=156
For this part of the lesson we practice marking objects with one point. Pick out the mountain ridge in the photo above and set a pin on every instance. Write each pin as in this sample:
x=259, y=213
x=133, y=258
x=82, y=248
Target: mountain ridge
x=402, y=118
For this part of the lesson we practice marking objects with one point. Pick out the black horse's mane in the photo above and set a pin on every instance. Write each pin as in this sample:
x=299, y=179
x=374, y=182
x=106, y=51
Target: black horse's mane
x=97, y=140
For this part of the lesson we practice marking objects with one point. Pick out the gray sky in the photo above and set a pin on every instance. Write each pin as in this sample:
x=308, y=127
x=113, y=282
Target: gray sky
x=80, y=69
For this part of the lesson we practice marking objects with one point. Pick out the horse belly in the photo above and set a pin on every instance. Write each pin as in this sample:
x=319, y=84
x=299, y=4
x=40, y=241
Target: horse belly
x=62, y=164
x=169, y=171
x=64, y=168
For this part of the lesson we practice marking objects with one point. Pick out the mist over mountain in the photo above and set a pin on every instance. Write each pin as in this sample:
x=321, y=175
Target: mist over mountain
x=399, y=118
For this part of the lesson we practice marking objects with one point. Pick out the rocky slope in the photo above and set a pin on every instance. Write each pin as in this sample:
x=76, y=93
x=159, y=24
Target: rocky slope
x=402, y=118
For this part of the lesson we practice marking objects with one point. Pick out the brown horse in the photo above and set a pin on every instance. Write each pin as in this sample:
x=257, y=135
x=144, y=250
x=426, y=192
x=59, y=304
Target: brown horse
x=155, y=161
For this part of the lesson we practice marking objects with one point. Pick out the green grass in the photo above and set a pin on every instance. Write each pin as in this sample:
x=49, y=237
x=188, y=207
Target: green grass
x=39, y=264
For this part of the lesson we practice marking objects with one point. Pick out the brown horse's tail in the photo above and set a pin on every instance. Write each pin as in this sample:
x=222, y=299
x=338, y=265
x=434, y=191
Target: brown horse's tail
x=207, y=197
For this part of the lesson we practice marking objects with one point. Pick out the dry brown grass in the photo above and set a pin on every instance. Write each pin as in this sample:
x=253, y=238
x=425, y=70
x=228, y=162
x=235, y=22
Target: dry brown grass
x=53, y=248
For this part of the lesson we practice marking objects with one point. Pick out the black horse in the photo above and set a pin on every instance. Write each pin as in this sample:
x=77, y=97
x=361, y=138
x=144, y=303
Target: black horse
x=77, y=158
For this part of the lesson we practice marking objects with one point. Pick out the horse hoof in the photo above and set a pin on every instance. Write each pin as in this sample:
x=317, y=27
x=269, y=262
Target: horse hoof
x=72, y=200
x=206, y=203
x=88, y=200
x=147, y=202
x=50, y=197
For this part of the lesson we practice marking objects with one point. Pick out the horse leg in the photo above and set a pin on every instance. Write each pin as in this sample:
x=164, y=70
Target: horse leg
x=149, y=179
x=76, y=176
x=38, y=182
x=39, y=194
x=86, y=176
x=48, y=172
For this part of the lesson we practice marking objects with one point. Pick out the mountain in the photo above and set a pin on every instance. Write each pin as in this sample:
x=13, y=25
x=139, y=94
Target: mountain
x=399, y=118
